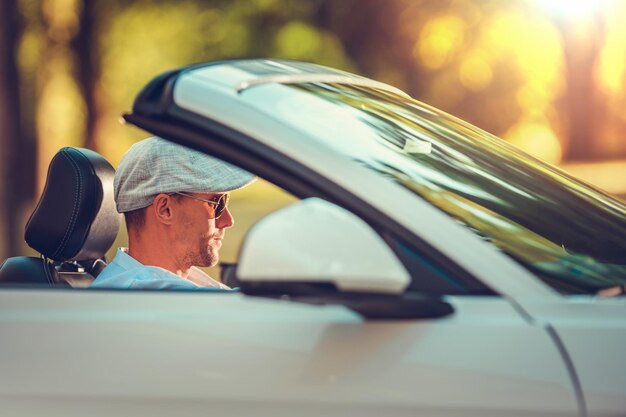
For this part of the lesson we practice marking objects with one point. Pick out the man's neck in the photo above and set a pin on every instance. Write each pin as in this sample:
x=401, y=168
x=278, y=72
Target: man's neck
x=160, y=259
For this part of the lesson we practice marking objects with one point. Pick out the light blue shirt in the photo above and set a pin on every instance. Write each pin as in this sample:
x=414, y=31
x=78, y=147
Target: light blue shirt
x=124, y=271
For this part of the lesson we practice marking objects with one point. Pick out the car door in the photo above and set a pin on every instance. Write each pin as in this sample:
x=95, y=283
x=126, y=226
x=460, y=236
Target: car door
x=591, y=332
x=77, y=352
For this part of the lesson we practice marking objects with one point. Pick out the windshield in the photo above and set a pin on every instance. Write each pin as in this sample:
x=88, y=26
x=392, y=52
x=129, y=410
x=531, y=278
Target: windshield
x=570, y=235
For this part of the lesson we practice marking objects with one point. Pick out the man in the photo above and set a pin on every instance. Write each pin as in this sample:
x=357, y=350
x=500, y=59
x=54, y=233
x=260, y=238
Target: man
x=175, y=203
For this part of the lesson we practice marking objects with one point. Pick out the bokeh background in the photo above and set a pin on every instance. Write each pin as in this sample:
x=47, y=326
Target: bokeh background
x=546, y=75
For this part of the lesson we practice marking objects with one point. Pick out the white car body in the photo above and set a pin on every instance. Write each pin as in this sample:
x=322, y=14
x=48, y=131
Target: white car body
x=527, y=351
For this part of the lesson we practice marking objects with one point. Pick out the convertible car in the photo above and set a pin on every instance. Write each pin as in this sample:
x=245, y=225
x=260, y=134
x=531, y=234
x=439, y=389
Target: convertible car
x=427, y=268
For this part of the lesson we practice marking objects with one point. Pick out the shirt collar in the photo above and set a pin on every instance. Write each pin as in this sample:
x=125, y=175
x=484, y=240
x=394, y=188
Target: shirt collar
x=196, y=275
x=124, y=260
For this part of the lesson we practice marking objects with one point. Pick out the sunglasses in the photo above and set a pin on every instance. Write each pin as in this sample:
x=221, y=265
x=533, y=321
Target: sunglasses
x=219, y=205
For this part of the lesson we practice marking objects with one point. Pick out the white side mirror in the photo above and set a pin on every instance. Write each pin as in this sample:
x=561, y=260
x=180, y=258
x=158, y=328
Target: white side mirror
x=314, y=241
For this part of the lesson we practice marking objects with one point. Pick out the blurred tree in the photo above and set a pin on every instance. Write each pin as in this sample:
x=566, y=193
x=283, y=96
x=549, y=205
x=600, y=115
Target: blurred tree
x=583, y=108
x=87, y=55
x=144, y=38
x=60, y=105
x=610, y=77
x=10, y=23
x=372, y=37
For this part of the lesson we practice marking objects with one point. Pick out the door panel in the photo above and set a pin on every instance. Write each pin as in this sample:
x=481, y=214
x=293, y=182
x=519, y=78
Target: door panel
x=141, y=352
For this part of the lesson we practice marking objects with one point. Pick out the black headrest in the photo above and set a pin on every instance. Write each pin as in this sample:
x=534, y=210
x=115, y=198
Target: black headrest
x=76, y=217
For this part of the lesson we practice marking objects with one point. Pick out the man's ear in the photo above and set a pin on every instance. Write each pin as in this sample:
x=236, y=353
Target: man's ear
x=162, y=208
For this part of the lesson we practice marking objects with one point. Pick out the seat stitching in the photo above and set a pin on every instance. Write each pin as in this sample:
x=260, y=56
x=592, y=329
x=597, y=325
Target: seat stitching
x=75, y=209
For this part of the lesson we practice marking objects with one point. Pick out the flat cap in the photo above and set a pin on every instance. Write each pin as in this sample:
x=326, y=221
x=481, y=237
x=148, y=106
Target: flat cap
x=155, y=165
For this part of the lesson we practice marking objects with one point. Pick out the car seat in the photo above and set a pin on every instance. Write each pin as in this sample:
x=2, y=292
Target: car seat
x=73, y=225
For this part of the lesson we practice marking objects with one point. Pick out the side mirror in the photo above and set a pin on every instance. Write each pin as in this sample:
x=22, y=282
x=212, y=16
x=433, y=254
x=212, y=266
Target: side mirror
x=317, y=242
x=314, y=251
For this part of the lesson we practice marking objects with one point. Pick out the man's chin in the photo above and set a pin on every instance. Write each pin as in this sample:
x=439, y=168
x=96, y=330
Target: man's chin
x=212, y=259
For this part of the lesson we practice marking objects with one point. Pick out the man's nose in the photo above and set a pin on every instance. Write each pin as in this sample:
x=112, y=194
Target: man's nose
x=225, y=220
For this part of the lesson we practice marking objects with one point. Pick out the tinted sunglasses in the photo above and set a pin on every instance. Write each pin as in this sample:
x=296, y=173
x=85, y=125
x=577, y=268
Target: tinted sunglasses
x=219, y=204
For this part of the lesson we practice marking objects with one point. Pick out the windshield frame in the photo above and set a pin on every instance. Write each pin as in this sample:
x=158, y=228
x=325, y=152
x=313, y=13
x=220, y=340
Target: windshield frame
x=376, y=118
x=206, y=113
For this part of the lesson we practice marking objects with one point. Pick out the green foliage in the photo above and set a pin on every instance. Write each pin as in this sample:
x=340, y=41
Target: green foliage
x=303, y=41
x=145, y=38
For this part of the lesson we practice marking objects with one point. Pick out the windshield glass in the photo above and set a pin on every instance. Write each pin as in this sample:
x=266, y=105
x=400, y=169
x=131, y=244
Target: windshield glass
x=567, y=233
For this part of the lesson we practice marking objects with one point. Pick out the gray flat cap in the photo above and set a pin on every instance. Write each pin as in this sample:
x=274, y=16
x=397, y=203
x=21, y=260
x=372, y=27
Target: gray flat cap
x=154, y=166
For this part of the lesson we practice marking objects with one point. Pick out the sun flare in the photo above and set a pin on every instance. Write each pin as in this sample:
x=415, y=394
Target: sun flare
x=573, y=9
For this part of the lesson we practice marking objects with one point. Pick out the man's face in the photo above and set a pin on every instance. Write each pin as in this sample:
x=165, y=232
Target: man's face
x=197, y=229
